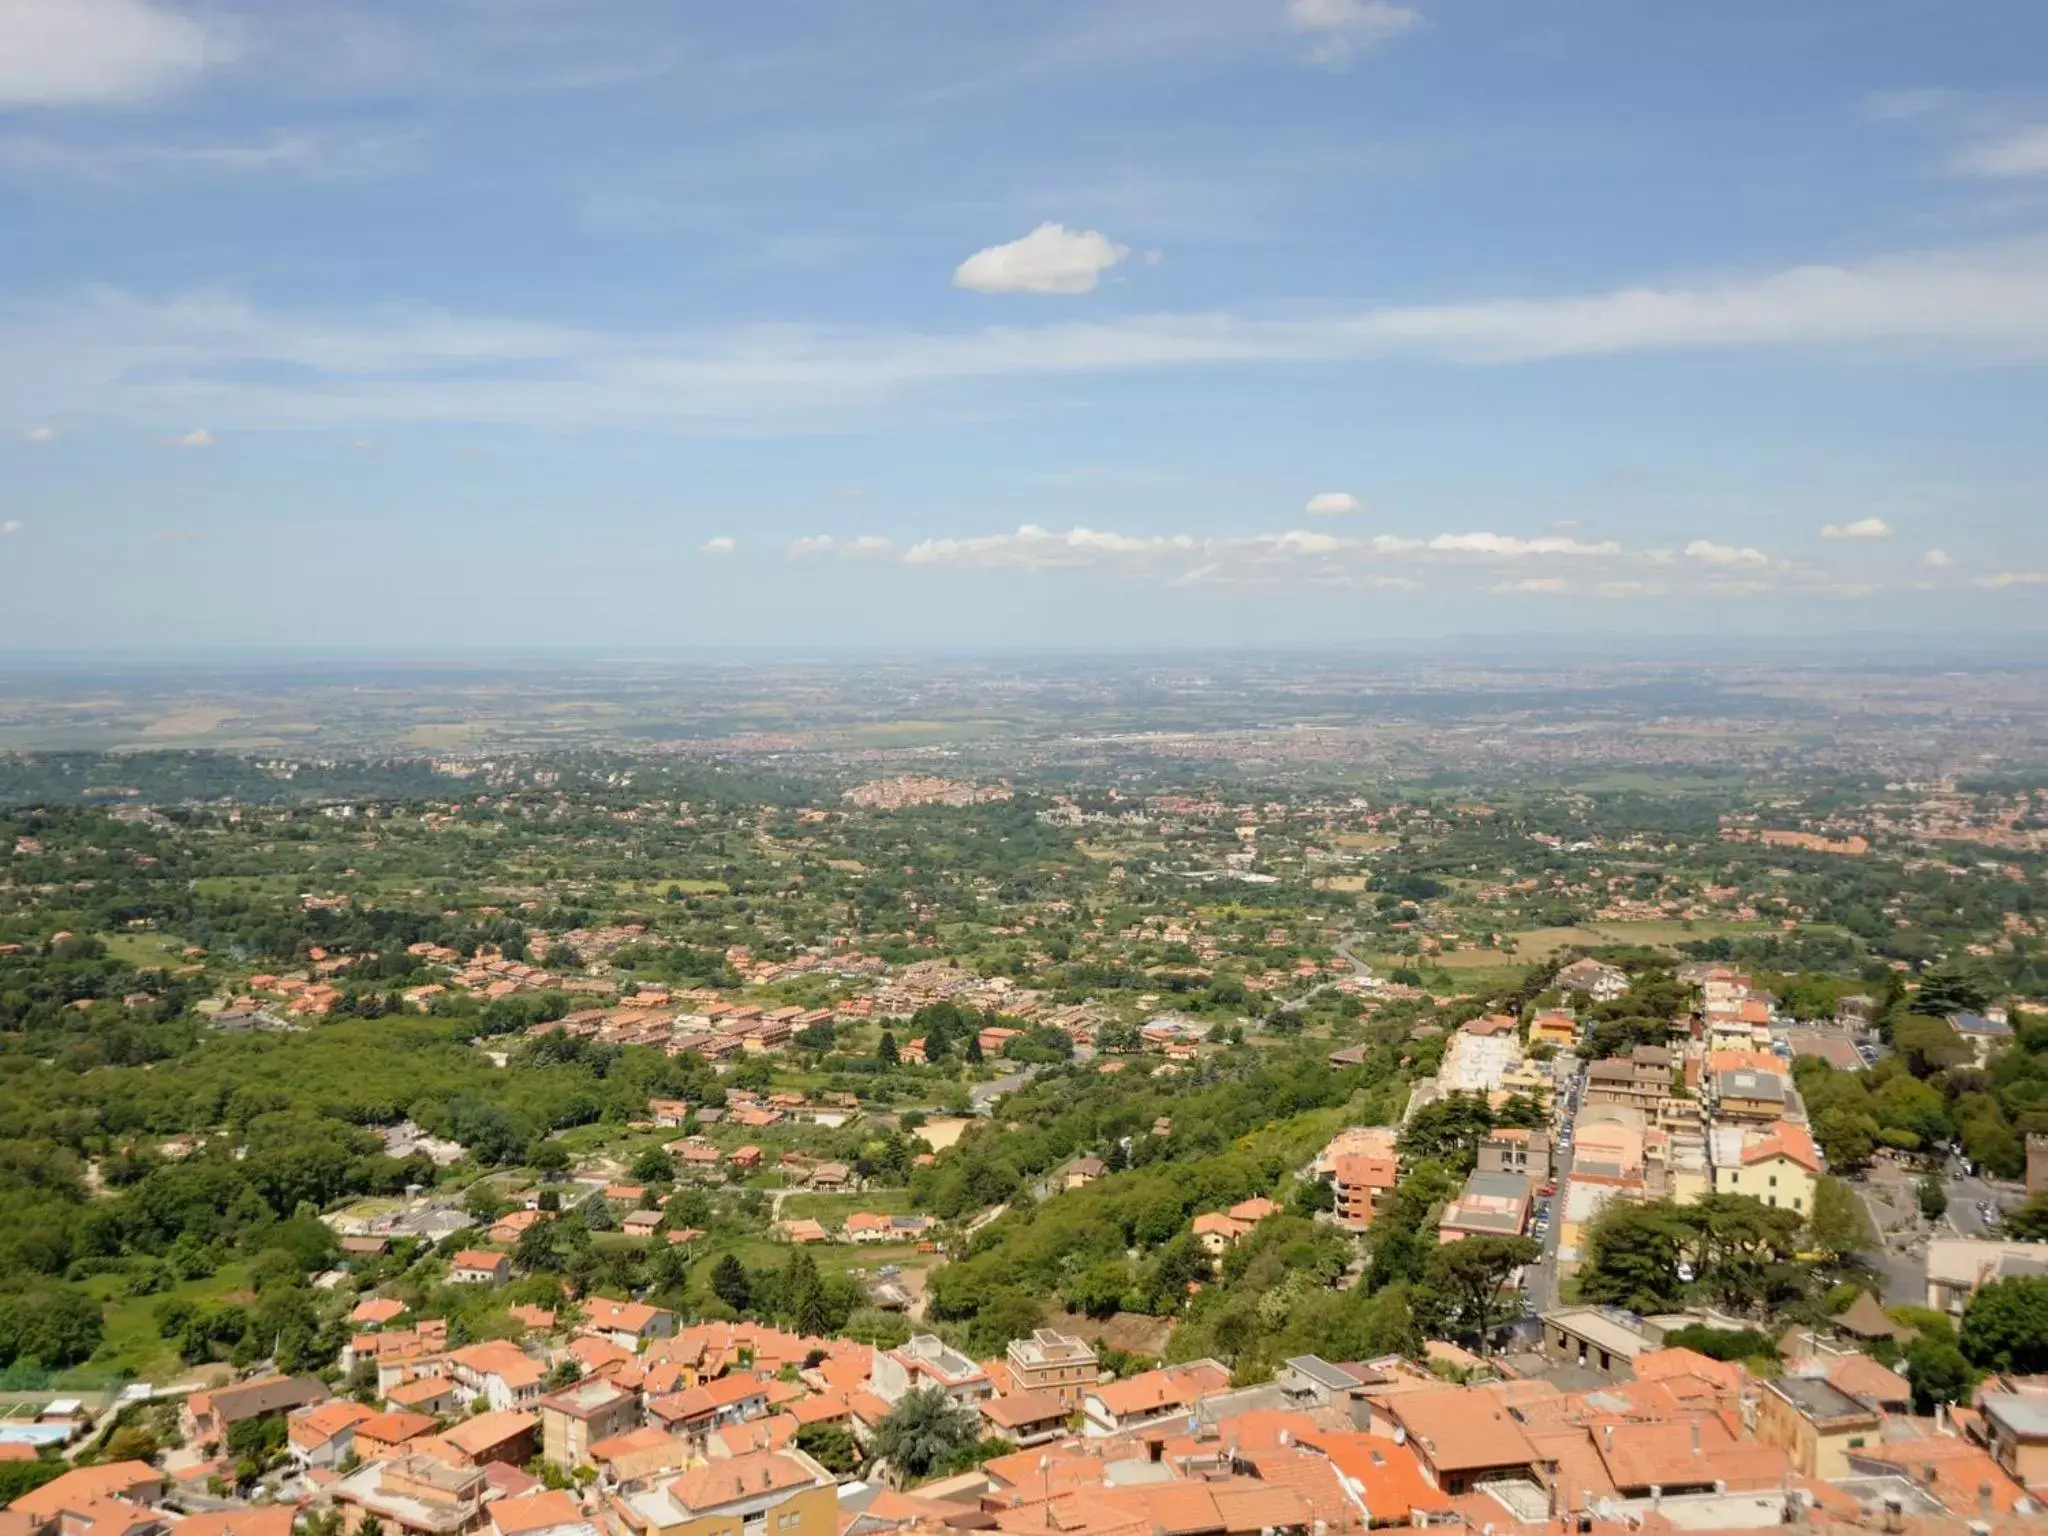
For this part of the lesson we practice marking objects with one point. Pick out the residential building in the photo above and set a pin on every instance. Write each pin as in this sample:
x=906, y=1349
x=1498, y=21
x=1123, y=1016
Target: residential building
x=1513, y=1149
x=1603, y=1339
x=479, y=1266
x=420, y=1495
x=499, y=1372
x=1779, y=1166
x=1749, y=1094
x=627, y=1324
x=1603, y=983
x=1082, y=1172
x=325, y=1434
x=1556, y=1027
x=1816, y=1424
x=763, y=1493
x=1492, y=1205
x=1362, y=1185
x=2016, y=1433
x=1150, y=1397
x=508, y=1436
x=928, y=1361
x=1026, y=1418
x=209, y=1415
x=1054, y=1365
x=1463, y=1438
x=1958, y=1266
x=1639, y=1080
x=1981, y=1034
x=550, y=1512
x=573, y=1420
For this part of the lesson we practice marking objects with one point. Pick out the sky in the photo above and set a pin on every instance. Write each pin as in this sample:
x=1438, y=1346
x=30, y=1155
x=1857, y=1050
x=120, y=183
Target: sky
x=654, y=324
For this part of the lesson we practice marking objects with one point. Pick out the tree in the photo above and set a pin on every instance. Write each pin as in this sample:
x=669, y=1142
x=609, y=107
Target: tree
x=54, y=1328
x=886, y=1052
x=1469, y=1275
x=2028, y=1224
x=832, y=1446
x=1839, y=1225
x=729, y=1283
x=653, y=1166
x=1933, y=1198
x=2005, y=1327
x=1847, y=1136
x=923, y=1430
x=1632, y=1256
x=1939, y=1373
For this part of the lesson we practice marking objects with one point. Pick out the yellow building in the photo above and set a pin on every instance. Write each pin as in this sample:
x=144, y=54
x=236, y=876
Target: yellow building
x=1779, y=1166
x=763, y=1493
x=1555, y=1026
x=1814, y=1423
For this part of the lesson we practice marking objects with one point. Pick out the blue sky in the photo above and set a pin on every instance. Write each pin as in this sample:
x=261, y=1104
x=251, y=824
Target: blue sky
x=532, y=323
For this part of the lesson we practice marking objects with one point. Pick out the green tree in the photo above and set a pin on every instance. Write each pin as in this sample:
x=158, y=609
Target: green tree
x=1839, y=1225
x=922, y=1431
x=832, y=1446
x=1469, y=1275
x=1933, y=1198
x=886, y=1052
x=654, y=1166
x=2005, y=1327
x=729, y=1282
x=1939, y=1373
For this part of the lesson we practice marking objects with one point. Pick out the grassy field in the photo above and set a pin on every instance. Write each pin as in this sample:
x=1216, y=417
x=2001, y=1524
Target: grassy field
x=131, y=1343
x=832, y=1210
x=144, y=949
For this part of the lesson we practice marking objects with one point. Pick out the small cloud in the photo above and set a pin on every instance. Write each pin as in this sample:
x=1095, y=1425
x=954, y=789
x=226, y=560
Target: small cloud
x=1333, y=504
x=1344, y=28
x=815, y=544
x=1937, y=559
x=2017, y=153
x=2004, y=579
x=1051, y=259
x=1862, y=528
x=9, y=525
x=1508, y=546
x=1629, y=589
x=721, y=545
x=1899, y=106
x=866, y=544
x=1154, y=257
x=198, y=437
x=177, y=536
x=1547, y=585
x=362, y=445
x=40, y=435
x=1707, y=552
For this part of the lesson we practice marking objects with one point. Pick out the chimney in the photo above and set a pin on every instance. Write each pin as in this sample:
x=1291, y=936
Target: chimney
x=1894, y=1513
x=1656, y=1496
x=1983, y=1498
x=1695, y=1437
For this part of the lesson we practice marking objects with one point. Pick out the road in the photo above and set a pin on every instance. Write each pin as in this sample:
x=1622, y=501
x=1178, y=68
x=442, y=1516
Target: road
x=1543, y=1278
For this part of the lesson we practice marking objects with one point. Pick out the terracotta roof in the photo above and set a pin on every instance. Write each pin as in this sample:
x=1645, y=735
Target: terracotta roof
x=1021, y=1408
x=489, y=1430
x=263, y=1520
x=1862, y=1377
x=1162, y=1390
x=1455, y=1430
x=396, y=1428
x=536, y=1512
x=89, y=1485
x=725, y=1482
x=319, y=1425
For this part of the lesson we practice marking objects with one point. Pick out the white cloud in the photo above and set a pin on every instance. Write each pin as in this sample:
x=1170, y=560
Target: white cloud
x=1937, y=559
x=2005, y=579
x=212, y=355
x=1343, y=28
x=1709, y=553
x=198, y=437
x=124, y=162
x=1629, y=589
x=2016, y=153
x=1051, y=259
x=1545, y=585
x=1034, y=548
x=813, y=544
x=1333, y=504
x=9, y=525
x=1899, y=106
x=1861, y=528
x=40, y=435
x=1507, y=546
x=722, y=544
x=82, y=52
x=867, y=544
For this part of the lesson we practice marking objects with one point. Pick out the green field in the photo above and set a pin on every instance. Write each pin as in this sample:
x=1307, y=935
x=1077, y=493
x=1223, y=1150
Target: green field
x=131, y=1346
x=832, y=1210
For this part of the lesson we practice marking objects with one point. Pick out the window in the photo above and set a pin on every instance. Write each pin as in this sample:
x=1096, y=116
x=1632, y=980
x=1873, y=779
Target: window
x=1855, y=1442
